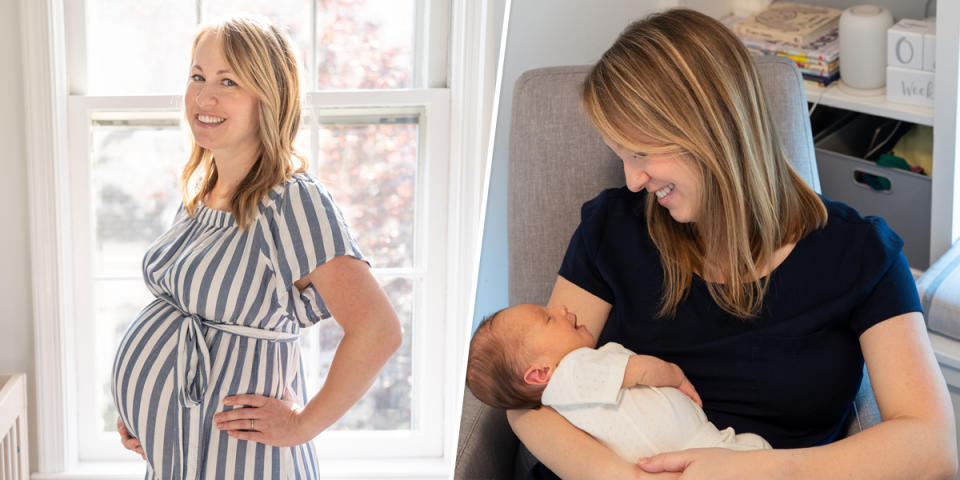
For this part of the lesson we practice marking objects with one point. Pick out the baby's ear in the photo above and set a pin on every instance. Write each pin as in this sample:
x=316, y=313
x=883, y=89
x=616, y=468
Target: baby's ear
x=538, y=375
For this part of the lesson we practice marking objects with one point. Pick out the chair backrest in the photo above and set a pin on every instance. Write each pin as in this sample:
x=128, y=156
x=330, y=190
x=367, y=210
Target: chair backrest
x=557, y=162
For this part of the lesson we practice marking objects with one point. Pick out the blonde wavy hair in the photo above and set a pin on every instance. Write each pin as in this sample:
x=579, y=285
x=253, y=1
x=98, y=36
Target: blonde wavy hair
x=261, y=56
x=684, y=80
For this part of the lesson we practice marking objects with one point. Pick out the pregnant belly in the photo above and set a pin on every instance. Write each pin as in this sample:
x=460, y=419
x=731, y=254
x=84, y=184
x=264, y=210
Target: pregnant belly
x=143, y=370
x=148, y=385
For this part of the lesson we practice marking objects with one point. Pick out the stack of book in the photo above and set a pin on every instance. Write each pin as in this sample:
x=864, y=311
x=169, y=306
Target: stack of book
x=807, y=34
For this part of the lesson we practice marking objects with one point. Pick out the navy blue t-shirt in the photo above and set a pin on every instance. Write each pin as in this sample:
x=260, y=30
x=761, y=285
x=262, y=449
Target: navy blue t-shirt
x=790, y=374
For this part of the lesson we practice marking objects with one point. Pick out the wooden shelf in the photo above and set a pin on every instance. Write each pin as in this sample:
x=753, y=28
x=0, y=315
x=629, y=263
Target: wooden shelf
x=837, y=96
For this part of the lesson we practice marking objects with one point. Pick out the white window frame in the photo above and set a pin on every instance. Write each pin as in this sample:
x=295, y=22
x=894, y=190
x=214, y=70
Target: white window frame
x=462, y=109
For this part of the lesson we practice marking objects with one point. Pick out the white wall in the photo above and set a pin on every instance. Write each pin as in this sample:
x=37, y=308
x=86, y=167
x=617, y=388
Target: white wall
x=16, y=316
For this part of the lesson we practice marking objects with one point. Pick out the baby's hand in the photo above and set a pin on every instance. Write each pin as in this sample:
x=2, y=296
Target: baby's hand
x=654, y=372
x=687, y=389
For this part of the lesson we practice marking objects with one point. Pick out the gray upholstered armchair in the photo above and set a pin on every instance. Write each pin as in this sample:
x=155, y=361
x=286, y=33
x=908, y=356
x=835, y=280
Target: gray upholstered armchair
x=557, y=162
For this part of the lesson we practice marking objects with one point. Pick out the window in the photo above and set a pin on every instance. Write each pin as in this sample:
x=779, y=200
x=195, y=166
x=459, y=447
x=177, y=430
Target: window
x=376, y=130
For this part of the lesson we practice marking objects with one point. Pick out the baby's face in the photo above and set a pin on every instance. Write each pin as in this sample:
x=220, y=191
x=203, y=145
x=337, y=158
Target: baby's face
x=548, y=333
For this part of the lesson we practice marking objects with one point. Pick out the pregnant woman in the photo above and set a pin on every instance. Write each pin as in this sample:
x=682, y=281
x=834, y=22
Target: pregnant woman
x=717, y=257
x=208, y=378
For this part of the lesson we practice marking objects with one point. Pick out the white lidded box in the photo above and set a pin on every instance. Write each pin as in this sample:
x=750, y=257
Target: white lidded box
x=905, y=44
x=910, y=86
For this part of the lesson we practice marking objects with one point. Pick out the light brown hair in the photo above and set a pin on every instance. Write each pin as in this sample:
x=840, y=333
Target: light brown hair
x=683, y=79
x=261, y=56
x=495, y=367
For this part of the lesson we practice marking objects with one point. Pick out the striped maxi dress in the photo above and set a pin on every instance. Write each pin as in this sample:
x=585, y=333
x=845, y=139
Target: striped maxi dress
x=225, y=321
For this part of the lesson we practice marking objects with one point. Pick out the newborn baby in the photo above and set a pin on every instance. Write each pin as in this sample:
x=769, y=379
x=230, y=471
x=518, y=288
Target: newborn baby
x=637, y=405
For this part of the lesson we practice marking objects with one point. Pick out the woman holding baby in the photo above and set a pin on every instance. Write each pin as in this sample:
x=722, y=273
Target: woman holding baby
x=719, y=258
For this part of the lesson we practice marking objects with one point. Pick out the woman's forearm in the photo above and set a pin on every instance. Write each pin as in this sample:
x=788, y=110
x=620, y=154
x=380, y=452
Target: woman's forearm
x=355, y=365
x=895, y=449
x=358, y=359
x=567, y=450
x=916, y=438
x=371, y=333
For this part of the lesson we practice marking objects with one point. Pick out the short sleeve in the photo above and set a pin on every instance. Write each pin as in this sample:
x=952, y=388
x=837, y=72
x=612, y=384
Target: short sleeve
x=177, y=215
x=588, y=376
x=308, y=230
x=579, y=264
x=893, y=292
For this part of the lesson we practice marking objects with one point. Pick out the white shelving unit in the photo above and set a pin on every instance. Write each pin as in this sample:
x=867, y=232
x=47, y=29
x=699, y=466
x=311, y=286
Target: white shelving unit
x=839, y=96
x=943, y=117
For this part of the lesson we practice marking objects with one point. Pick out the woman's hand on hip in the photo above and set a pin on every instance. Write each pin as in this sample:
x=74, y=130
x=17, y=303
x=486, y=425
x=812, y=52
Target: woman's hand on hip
x=266, y=420
x=129, y=441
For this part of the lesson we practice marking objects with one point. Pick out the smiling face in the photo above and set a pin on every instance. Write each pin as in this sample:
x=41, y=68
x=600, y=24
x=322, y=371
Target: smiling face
x=547, y=333
x=223, y=116
x=667, y=173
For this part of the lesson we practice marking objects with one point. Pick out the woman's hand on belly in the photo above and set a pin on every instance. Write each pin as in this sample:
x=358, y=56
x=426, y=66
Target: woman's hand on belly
x=129, y=441
x=266, y=420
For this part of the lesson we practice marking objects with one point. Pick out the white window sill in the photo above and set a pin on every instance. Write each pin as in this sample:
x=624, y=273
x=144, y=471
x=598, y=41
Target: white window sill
x=353, y=469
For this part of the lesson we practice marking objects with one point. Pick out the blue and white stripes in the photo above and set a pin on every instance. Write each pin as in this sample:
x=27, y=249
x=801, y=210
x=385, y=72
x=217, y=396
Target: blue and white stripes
x=225, y=321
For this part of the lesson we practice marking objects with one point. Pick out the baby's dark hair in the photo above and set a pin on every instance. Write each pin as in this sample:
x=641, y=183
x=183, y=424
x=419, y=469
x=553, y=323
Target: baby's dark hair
x=495, y=370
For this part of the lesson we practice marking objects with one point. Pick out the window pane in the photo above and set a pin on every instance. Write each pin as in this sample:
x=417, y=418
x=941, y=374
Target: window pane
x=386, y=406
x=134, y=174
x=292, y=15
x=138, y=47
x=368, y=162
x=365, y=44
x=371, y=172
x=116, y=304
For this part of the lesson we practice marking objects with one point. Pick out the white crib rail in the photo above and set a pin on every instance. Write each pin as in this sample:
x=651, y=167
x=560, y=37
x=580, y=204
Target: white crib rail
x=14, y=455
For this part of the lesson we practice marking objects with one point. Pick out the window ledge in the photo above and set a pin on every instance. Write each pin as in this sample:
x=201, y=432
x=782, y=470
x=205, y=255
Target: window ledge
x=353, y=469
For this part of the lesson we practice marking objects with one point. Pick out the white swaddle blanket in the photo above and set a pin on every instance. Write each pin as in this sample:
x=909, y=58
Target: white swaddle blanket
x=633, y=422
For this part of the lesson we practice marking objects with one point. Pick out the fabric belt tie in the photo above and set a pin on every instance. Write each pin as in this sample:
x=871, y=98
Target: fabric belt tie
x=193, y=354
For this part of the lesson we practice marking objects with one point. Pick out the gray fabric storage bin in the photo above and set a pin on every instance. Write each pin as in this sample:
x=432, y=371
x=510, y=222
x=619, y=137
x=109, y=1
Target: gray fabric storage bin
x=825, y=120
x=906, y=206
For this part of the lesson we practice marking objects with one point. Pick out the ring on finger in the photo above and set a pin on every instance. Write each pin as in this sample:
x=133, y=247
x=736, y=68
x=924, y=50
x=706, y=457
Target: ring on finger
x=251, y=424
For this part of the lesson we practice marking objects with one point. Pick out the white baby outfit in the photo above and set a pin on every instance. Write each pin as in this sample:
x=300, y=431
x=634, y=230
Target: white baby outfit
x=634, y=422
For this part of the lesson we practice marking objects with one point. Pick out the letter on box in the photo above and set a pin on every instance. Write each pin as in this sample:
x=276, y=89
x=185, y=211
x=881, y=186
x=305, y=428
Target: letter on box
x=905, y=44
x=909, y=86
